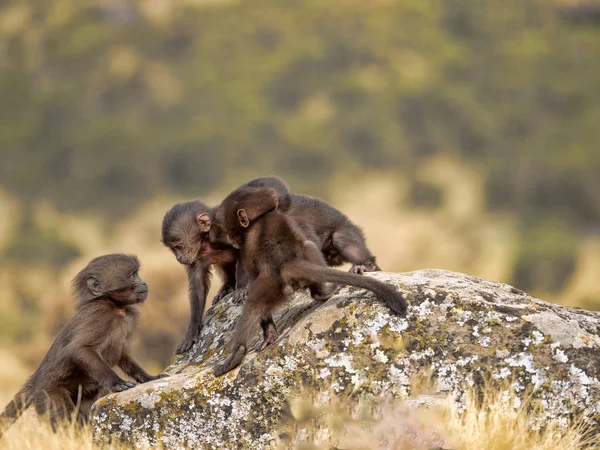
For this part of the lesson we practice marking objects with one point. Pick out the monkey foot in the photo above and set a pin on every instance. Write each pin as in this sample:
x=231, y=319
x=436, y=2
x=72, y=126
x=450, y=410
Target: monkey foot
x=161, y=375
x=270, y=336
x=122, y=385
x=225, y=290
x=232, y=362
x=240, y=296
x=323, y=292
x=188, y=342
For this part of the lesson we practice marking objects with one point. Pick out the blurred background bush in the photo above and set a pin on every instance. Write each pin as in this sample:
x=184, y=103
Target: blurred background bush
x=460, y=134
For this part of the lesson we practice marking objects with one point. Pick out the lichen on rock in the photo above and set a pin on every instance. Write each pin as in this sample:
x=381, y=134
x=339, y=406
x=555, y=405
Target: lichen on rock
x=461, y=329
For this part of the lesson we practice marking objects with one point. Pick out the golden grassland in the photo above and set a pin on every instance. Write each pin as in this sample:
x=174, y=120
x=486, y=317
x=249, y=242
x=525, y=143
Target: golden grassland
x=491, y=419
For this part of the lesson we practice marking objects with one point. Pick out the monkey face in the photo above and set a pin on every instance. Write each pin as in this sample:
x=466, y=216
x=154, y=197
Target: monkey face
x=185, y=231
x=115, y=276
x=186, y=241
x=128, y=290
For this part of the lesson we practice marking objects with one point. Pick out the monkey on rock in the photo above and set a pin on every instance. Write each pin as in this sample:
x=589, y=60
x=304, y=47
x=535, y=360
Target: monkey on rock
x=77, y=370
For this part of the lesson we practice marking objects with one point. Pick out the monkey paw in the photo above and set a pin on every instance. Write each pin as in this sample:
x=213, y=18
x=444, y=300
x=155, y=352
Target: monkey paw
x=188, y=342
x=358, y=269
x=122, y=385
x=270, y=337
x=324, y=292
x=232, y=362
x=368, y=266
x=161, y=375
x=225, y=290
x=240, y=296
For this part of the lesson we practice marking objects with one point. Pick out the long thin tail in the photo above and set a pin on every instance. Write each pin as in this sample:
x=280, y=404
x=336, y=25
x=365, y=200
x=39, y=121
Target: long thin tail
x=313, y=273
x=15, y=409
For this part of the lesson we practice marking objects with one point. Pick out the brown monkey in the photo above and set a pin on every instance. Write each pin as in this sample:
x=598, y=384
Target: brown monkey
x=335, y=235
x=77, y=370
x=277, y=254
x=193, y=235
x=185, y=230
x=339, y=239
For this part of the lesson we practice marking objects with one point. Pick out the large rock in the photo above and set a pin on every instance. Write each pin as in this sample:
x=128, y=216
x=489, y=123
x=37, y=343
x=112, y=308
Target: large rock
x=460, y=328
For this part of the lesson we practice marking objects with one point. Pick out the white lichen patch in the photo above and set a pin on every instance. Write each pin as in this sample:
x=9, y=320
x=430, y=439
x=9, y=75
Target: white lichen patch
x=148, y=400
x=380, y=357
x=341, y=360
x=560, y=356
x=503, y=373
x=523, y=359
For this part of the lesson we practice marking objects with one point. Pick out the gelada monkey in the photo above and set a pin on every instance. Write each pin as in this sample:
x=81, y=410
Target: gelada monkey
x=185, y=230
x=339, y=239
x=190, y=231
x=77, y=370
x=277, y=255
x=335, y=235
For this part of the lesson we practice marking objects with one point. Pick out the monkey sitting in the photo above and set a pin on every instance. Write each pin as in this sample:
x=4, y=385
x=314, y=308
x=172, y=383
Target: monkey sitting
x=277, y=254
x=77, y=370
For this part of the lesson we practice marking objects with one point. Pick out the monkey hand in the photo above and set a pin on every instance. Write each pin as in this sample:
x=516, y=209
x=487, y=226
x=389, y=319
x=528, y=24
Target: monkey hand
x=188, y=341
x=367, y=266
x=159, y=376
x=240, y=295
x=225, y=290
x=122, y=385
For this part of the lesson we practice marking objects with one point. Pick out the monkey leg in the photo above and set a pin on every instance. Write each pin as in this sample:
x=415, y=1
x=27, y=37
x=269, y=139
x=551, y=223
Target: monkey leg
x=199, y=283
x=265, y=294
x=319, y=291
x=350, y=245
x=242, y=281
x=228, y=274
x=57, y=403
x=101, y=372
x=135, y=371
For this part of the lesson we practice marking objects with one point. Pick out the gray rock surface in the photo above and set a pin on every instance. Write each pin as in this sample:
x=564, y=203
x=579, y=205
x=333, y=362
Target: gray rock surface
x=460, y=328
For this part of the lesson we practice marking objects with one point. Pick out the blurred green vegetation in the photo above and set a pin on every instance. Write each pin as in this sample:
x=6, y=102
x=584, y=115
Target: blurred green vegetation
x=106, y=104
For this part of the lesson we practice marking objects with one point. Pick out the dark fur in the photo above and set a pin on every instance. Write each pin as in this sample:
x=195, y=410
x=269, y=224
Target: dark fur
x=182, y=233
x=339, y=239
x=77, y=370
x=277, y=254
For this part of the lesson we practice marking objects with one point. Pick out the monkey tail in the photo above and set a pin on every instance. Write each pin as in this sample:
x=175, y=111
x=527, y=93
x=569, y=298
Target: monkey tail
x=15, y=409
x=307, y=271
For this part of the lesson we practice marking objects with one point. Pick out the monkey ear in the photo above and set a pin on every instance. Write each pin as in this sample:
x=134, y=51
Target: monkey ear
x=94, y=286
x=243, y=218
x=203, y=222
x=275, y=198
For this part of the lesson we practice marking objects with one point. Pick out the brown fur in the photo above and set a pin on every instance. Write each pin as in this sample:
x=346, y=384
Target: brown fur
x=77, y=370
x=277, y=254
x=185, y=232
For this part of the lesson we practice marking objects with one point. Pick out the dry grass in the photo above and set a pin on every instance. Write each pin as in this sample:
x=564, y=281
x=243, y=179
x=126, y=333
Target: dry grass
x=494, y=419
x=32, y=433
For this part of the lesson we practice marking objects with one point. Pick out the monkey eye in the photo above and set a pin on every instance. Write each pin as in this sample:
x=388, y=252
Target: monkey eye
x=178, y=246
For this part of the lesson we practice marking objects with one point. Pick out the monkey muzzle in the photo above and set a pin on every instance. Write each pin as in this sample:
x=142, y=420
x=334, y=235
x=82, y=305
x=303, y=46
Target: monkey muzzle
x=141, y=292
